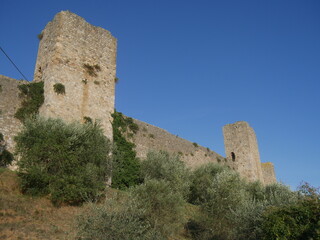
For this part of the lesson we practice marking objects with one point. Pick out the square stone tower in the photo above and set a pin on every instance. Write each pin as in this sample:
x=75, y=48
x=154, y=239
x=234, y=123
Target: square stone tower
x=77, y=62
x=242, y=150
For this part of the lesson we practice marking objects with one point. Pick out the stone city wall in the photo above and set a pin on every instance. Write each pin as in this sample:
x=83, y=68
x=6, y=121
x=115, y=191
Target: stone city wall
x=81, y=60
x=9, y=103
x=150, y=137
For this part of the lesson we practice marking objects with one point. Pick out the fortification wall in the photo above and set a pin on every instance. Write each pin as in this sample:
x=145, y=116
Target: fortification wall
x=82, y=58
x=9, y=103
x=269, y=176
x=242, y=149
x=150, y=137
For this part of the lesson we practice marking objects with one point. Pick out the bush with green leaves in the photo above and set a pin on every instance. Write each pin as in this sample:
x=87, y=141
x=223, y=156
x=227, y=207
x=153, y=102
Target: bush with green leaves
x=202, y=179
x=6, y=157
x=33, y=97
x=126, y=166
x=70, y=162
x=114, y=220
x=163, y=166
x=148, y=211
x=231, y=208
x=154, y=209
x=296, y=221
x=59, y=88
x=162, y=207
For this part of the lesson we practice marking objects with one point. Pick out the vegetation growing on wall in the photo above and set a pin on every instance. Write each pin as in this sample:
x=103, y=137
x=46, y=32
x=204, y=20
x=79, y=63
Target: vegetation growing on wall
x=33, y=97
x=6, y=157
x=40, y=36
x=92, y=70
x=59, y=88
x=126, y=166
x=68, y=162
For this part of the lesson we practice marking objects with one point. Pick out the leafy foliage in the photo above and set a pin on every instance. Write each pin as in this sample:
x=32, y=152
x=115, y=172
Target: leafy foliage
x=33, y=98
x=126, y=166
x=115, y=220
x=231, y=208
x=297, y=221
x=69, y=162
x=6, y=157
x=59, y=88
x=201, y=182
x=162, y=207
x=163, y=166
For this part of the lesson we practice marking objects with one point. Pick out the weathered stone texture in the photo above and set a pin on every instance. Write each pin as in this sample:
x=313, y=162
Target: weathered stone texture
x=82, y=57
x=269, y=176
x=150, y=137
x=9, y=103
x=242, y=149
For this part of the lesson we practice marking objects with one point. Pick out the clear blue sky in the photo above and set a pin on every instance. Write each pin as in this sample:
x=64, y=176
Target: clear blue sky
x=191, y=67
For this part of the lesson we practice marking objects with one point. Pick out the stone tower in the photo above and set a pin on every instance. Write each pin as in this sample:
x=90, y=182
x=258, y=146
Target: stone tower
x=77, y=62
x=242, y=150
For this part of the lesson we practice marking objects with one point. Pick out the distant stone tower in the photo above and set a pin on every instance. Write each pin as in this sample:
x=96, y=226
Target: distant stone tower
x=77, y=62
x=242, y=150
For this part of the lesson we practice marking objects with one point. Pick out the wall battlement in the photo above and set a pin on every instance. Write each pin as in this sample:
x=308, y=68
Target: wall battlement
x=82, y=58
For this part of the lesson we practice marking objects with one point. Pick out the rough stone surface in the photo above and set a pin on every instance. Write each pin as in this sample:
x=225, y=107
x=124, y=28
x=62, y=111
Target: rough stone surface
x=241, y=148
x=9, y=103
x=268, y=172
x=82, y=57
x=150, y=137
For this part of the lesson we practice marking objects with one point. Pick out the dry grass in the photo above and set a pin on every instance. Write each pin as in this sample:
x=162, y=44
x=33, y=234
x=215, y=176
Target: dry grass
x=24, y=217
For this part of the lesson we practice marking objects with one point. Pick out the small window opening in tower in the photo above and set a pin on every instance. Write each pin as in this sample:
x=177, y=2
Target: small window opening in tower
x=233, y=156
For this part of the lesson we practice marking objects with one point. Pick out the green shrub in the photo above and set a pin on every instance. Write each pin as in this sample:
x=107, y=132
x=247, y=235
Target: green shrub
x=126, y=166
x=6, y=157
x=195, y=144
x=59, y=88
x=115, y=220
x=231, y=208
x=163, y=166
x=278, y=194
x=161, y=206
x=69, y=162
x=150, y=211
x=219, y=192
x=201, y=181
x=295, y=221
x=33, y=97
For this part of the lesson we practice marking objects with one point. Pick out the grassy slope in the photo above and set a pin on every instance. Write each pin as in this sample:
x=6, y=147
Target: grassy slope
x=24, y=217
